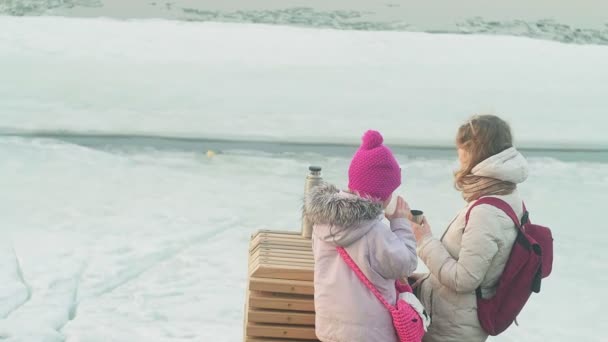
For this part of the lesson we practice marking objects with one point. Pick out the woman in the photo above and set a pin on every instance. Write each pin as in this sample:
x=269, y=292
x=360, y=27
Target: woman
x=471, y=257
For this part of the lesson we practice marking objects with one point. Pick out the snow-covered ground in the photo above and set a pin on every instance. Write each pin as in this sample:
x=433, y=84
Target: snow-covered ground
x=104, y=245
x=113, y=244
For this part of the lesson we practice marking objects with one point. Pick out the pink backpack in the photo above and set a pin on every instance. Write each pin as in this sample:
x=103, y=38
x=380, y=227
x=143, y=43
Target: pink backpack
x=406, y=320
x=531, y=260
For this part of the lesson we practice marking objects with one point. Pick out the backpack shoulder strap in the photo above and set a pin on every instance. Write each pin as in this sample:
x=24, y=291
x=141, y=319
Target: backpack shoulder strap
x=353, y=266
x=498, y=203
x=506, y=208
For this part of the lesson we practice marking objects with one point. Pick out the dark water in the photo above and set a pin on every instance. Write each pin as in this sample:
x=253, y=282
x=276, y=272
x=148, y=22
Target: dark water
x=129, y=143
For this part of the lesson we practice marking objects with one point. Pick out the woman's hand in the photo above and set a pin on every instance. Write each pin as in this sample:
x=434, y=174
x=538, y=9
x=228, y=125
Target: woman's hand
x=421, y=230
x=402, y=210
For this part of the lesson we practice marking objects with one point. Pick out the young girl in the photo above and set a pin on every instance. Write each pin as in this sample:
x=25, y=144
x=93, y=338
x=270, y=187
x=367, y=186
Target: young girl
x=346, y=310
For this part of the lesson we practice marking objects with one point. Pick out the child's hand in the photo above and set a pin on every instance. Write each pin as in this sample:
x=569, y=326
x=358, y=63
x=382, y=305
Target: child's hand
x=401, y=211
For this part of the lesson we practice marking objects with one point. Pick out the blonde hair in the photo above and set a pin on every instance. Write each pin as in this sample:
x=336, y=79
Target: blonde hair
x=481, y=137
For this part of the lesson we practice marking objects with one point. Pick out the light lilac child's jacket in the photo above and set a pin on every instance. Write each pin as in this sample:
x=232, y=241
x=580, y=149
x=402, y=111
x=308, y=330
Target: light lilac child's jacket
x=346, y=311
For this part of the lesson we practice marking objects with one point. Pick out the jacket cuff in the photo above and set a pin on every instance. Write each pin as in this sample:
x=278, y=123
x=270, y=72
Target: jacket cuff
x=423, y=243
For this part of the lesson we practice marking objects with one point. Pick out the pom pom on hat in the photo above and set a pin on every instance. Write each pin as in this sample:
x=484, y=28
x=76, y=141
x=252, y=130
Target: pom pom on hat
x=371, y=139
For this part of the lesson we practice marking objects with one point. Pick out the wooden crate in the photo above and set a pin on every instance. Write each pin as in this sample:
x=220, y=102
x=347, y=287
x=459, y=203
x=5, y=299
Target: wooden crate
x=280, y=302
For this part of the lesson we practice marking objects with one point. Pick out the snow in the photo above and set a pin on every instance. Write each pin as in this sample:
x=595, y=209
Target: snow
x=108, y=245
x=105, y=243
x=256, y=82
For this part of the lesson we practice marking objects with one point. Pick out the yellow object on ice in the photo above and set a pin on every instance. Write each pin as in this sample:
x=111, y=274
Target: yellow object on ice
x=210, y=154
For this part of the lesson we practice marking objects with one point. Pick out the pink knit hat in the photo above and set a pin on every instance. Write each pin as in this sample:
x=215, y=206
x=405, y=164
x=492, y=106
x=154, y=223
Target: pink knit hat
x=374, y=171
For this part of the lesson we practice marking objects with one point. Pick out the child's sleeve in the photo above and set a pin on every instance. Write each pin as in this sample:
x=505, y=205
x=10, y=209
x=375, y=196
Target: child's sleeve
x=393, y=250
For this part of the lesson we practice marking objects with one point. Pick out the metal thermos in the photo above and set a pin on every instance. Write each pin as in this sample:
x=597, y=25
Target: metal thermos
x=313, y=179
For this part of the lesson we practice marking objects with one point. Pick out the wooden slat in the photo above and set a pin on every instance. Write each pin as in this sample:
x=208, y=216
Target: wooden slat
x=281, y=317
x=298, y=252
x=288, y=264
x=294, y=257
x=302, y=271
x=281, y=232
x=273, y=244
x=280, y=305
x=263, y=300
x=277, y=245
x=261, y=240
x=270, y=339
x=287, y=258
x=284, y=240
x=283, y=272
x=246, y=314
x=281, y=331
x=277, y=237
x=283, y=253
x=282, y=261
x=285, y=264
x=280, y=256
x=282, y=286
x=282, y=235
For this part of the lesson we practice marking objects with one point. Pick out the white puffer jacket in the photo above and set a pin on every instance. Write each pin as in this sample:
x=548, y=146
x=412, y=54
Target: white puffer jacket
x=465, y=259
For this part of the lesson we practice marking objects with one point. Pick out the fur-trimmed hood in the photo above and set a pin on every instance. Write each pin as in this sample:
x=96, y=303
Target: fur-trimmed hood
x=340, y=217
